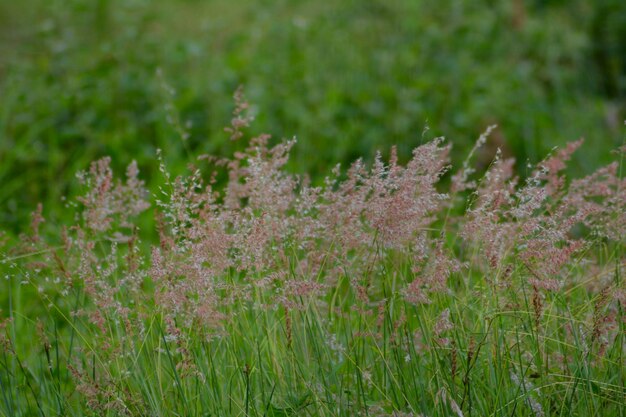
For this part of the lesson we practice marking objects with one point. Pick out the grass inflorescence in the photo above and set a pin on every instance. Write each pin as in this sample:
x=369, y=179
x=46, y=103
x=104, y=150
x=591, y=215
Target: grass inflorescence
x=390, y=290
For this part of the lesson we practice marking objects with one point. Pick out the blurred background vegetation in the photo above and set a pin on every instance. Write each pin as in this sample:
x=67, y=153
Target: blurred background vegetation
x=80, y=79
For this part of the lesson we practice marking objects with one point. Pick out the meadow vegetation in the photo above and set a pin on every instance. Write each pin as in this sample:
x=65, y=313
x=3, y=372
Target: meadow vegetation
x=362, y=268
x=380, y=293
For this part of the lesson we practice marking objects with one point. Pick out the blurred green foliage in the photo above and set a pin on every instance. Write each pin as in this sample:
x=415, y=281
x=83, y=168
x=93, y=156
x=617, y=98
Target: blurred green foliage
x=84, y=78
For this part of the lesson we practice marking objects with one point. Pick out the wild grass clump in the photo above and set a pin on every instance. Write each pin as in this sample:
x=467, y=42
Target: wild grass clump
x=390, y=290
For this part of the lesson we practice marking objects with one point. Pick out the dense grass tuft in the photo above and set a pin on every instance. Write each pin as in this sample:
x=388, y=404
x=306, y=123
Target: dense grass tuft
x=383, y=292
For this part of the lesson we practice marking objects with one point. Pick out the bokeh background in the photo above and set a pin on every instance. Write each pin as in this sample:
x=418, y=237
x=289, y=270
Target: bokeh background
x=80, y=79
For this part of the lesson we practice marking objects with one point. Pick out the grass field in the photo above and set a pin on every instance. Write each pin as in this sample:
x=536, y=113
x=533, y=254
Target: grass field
x=179, y=268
